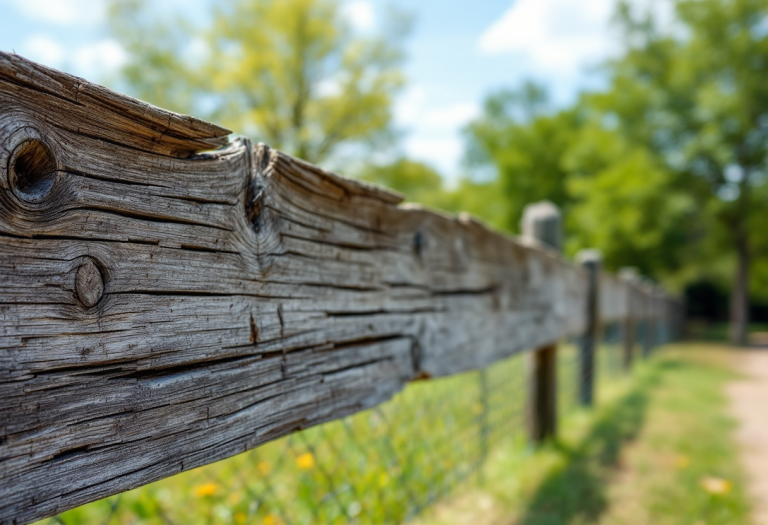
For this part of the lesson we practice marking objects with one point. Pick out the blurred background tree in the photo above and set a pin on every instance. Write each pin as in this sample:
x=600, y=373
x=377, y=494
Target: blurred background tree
x=525, y=141
x=417, y=181
x=664, y=169
x=291, y=73
x=694, y=96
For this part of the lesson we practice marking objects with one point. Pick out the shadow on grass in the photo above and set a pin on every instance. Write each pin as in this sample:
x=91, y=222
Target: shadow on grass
x=576, y=492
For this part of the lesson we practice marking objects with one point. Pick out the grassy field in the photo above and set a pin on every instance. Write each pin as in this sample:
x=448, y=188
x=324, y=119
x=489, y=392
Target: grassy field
x=657, y=450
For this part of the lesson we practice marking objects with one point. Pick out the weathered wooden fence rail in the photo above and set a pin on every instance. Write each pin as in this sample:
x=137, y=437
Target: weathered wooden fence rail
x=170, y=297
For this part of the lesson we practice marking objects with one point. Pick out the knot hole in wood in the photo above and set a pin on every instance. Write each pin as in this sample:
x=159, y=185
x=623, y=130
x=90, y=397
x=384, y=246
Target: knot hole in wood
x=419, y=243
x=89, y=282
x=32, y=170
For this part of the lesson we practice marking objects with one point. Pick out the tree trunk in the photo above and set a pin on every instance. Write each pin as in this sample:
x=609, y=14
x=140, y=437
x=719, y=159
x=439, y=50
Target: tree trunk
x=740, y=293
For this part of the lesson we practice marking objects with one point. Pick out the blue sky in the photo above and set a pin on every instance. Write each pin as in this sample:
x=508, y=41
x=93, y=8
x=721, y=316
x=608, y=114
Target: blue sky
x=459, y=51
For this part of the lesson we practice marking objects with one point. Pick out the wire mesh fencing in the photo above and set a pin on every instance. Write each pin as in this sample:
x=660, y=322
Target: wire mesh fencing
x=384, y=465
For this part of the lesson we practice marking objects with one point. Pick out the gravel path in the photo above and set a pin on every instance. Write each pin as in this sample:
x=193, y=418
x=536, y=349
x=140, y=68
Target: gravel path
x=749, y=405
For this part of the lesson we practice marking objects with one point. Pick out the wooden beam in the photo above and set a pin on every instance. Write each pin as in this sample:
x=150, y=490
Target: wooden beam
x=163, y=306
x=162, y=310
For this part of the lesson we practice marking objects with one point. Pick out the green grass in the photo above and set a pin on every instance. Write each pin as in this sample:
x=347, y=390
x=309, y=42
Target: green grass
x=639, y=458
x=718, y=332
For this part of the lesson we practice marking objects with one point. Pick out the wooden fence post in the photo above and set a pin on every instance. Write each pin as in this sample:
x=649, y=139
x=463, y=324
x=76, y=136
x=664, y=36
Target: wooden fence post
x=591, y=262
x=660, y=315
x=647, y=286
x=542, y=225
x=629, y=276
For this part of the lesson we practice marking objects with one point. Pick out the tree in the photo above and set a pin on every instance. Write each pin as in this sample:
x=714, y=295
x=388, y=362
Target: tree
x=703, y=96
x=419, y=183
x=291, y=73
x=666, y=167
x=415, y=180
x=625, y=203
x=524, y=142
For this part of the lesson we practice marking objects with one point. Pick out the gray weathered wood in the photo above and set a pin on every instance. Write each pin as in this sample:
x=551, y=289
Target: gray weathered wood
x=591, y=261
x=164, y=306
x=541, y=225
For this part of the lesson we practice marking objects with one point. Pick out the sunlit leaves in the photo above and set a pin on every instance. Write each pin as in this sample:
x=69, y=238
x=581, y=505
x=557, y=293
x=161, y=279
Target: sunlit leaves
x=291, y=73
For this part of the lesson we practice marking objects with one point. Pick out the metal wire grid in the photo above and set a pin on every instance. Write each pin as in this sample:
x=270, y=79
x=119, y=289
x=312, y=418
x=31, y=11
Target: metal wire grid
x=568, y=376
x=609, y=361
x=384, y=465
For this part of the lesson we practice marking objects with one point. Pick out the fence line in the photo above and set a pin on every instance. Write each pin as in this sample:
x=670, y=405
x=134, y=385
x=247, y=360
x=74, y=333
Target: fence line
x=165, y=307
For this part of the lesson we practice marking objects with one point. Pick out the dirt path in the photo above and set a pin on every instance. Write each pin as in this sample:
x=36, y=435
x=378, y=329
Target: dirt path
x=749, y=405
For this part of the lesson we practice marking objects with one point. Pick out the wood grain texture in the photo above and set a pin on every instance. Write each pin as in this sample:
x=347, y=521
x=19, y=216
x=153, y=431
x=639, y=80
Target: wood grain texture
x=162, y=308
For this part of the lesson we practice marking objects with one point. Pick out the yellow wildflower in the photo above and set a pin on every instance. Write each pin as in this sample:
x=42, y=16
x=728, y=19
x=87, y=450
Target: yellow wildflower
x=271, y=519
x=716, y=485
x=240, y=517
x=206, y=489
x=305, y=461
x=263, y=467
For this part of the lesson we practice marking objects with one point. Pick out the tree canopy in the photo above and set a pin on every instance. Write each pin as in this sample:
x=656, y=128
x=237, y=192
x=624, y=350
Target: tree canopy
x=292, y=73
x=666, y=167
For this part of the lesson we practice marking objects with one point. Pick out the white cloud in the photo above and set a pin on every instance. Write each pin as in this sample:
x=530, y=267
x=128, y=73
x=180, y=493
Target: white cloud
x=443, y=151
x=561, y=36
x=410, y=106
x=360, y=14
x=63, y=12
x=432, y=124
x=43, y=49
x=197, y=50
x=101, y=57
x=452, y=117
x=328, y=87
x=416, y=109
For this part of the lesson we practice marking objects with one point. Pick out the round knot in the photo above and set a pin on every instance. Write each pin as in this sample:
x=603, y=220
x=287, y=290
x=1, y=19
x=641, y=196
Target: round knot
x=89, y=283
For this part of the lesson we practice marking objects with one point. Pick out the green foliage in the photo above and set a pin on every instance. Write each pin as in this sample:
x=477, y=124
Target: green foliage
x=421, y=184
x=415, y=180
x=664, y=169
x=625, y=204
x=291, y=73
x=526, y=146
x=155, y=70
x=698, y=101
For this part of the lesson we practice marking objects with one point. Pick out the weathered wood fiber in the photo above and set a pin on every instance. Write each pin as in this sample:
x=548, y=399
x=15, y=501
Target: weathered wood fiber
x=614, y=301
x=163, y=308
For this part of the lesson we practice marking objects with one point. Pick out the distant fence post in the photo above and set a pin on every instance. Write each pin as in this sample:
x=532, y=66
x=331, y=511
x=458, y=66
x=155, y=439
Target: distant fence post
x=647, y=286
x=660, y=312
x=591, y=262
x=542, y=225
x=629, y=276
